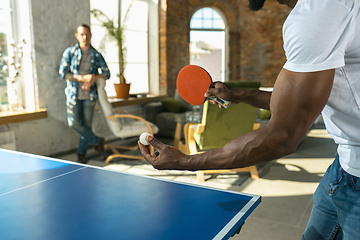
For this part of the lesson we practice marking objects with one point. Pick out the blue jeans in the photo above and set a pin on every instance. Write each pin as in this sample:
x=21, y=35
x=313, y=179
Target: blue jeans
x=336, y=210
x=80, y=115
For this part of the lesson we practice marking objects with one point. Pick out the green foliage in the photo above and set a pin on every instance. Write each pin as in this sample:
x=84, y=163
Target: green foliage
x=3, y=44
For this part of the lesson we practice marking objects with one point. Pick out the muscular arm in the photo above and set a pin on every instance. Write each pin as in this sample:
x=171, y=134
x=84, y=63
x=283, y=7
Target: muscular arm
x=256, y=98
x=295, y=103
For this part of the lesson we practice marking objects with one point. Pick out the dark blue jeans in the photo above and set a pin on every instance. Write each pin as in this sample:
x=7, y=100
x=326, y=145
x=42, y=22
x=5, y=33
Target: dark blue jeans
x=336, y=210
x=80, y=115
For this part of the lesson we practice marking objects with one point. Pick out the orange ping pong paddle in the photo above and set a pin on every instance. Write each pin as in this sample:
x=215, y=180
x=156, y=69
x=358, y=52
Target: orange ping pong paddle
x=192, y=83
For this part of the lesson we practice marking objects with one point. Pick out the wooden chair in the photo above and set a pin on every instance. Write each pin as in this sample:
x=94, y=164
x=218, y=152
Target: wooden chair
x=122, y=124
x=214, y=134
x=138, y=126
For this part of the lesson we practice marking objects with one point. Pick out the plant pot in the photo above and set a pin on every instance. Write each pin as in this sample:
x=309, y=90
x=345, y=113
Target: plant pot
x=122, y=90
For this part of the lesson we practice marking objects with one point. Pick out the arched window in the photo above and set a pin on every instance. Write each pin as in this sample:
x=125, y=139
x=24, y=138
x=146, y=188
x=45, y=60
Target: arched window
x=207, y=42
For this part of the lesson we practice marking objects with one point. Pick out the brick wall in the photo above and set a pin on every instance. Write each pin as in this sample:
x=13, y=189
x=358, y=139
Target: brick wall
x=261, y=45
x=254, y=39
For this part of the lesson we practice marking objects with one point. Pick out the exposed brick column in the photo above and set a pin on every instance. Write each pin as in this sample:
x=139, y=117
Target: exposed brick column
x=174, y=42
x=163, y=46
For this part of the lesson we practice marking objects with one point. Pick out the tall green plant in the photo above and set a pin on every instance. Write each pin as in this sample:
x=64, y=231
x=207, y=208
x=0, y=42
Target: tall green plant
x=115, y=32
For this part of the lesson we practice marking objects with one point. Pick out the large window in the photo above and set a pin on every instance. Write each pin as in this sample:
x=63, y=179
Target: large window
x=207, y=42
x=8, y=58
x=141, y=34
x=16, y=93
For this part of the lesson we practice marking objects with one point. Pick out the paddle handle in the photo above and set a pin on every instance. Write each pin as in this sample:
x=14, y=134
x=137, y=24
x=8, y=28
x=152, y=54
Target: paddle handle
x=224, y=103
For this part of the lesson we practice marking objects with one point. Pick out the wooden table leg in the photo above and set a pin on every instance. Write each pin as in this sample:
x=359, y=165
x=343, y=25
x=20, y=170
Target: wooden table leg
x=177, y=136
x=177, y=139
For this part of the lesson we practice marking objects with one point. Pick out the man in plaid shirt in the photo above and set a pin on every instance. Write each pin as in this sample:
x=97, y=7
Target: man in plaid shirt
x=81, y=66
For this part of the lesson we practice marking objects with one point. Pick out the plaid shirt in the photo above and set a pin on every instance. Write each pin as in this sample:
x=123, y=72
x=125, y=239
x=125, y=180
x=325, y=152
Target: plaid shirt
x=70, y=64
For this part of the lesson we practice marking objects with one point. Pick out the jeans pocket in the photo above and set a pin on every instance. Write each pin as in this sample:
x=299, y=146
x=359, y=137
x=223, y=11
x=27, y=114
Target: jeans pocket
x=337, y=180
x=355, y=182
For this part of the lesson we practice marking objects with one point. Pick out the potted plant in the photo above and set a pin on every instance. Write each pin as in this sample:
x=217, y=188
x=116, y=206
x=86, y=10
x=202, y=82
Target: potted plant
x=115, y=32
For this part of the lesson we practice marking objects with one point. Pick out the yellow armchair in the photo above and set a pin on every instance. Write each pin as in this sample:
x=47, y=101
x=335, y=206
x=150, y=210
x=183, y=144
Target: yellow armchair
x=220, y=126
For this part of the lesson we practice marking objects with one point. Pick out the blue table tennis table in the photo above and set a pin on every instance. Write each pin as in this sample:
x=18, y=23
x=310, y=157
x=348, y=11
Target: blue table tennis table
x=44, y=198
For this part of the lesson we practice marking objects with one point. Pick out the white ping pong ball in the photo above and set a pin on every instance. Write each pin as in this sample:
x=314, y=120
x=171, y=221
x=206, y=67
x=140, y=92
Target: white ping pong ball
x=143, y=139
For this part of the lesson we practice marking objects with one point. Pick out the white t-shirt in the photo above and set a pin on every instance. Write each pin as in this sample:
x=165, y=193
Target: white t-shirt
x=325, y=34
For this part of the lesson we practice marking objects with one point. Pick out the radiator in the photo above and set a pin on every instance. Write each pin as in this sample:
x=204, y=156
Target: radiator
x=7, y=140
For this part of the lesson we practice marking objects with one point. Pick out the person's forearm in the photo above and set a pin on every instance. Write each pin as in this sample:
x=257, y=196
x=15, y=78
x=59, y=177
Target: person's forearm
x=97, y=77
x=72, y=77
x=253, y=148
x=256, y=98
x=82, y=78
x=91, y=78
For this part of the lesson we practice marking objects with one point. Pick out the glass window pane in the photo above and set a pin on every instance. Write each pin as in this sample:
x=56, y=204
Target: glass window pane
x=207, y=49
x=207, y=18
x=5, y=30
x=207, y=12
x=138, y=17
x=207, y=24
x=137, y=75
x=195, y=23
x=3, y=36
x=114, y=70
x=216, y=15
x=3, y=18
x=218, y=24
x=125, y=7
x=136, y=44
x=214, y=38
x=198, y=14
x=104, y=46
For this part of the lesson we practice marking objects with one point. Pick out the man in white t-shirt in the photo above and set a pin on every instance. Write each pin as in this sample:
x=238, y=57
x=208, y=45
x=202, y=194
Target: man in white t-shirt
x=322, y=74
